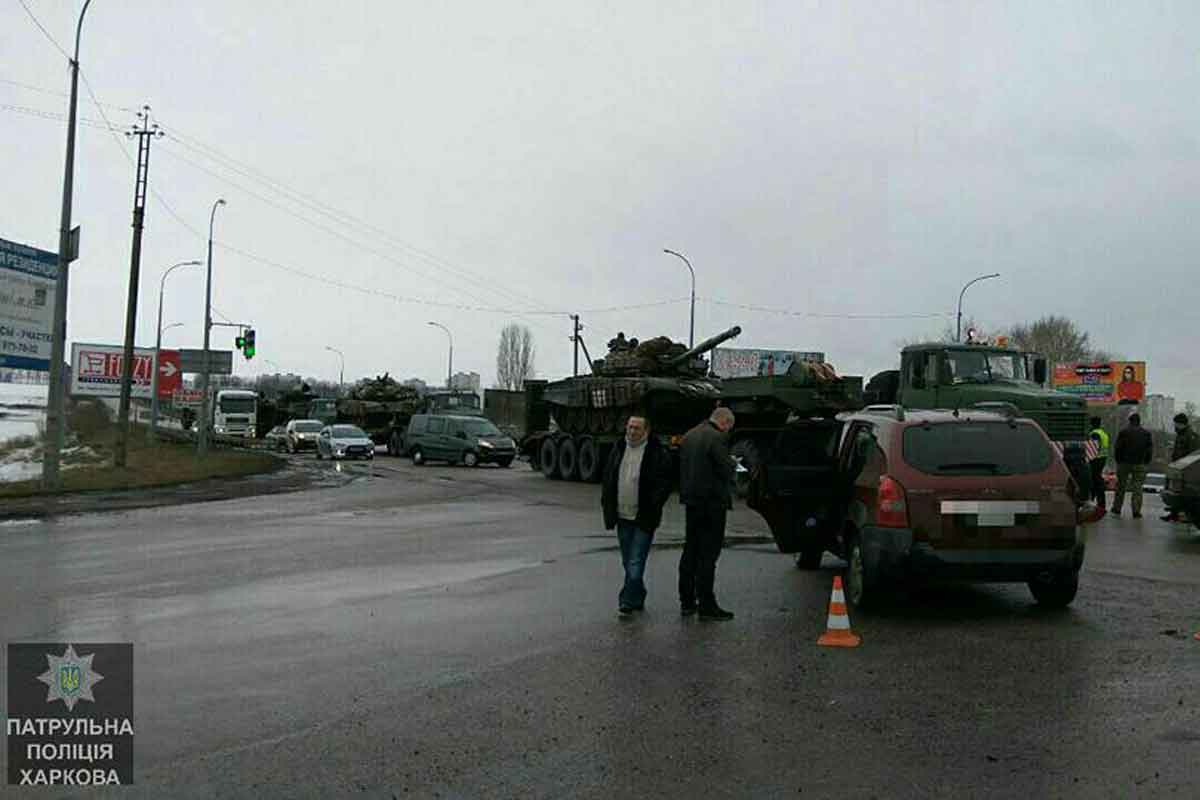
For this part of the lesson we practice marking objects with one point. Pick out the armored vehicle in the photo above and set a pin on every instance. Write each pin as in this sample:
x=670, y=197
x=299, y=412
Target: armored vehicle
x=659, y=379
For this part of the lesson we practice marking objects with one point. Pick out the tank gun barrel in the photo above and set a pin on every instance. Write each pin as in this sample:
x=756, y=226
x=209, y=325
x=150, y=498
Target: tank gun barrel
x=705, y=346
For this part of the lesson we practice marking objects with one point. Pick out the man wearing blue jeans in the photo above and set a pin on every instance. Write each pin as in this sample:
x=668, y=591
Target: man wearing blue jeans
x=635, y=487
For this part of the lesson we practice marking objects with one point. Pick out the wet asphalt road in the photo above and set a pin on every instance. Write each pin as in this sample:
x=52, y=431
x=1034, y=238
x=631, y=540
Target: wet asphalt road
x=451, y=632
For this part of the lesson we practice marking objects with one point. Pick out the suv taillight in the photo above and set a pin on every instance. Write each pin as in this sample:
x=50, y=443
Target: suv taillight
x=892, y=510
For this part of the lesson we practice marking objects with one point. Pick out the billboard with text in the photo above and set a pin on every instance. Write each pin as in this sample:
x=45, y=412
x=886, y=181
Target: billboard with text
x=27, y=280
x=1103, y=383
x=746, y=362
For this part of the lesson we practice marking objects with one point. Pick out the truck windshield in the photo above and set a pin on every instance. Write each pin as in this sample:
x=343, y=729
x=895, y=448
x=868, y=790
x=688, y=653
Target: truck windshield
x=237, y=405
x=308, y=427
x=976, y=448
x=981, y=366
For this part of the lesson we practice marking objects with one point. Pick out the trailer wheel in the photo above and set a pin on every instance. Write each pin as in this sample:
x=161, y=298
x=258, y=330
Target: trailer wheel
x=568, y=459
x=548, y=458
x=589, y=460
x=745, y=451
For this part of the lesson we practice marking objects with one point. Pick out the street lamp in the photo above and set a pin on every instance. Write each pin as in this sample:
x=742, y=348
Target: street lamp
x=55, y=424
x=342, y=371
x=162, y=284
x=166, y=328
x=450, y=361
x=692, y=322
x=958, y=330
x=205, y=400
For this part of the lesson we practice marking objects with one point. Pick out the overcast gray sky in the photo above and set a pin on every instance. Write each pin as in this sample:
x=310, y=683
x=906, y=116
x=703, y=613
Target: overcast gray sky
x=825, y=158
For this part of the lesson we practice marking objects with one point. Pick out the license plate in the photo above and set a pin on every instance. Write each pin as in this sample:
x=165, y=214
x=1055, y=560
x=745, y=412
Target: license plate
x=990, y=513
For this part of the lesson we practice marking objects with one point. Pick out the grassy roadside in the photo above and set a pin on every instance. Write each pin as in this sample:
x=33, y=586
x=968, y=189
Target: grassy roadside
x=147, y=465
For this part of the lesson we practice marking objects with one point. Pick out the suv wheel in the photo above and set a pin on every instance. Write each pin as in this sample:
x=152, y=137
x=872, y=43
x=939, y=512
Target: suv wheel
x=860, y=588
x=470, y=459
x=418, y=458
x=1057, y=592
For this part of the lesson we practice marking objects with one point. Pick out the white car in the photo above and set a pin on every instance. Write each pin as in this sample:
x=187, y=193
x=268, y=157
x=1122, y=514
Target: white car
x=302, y=434
x=1155, y=483
x=344, y=441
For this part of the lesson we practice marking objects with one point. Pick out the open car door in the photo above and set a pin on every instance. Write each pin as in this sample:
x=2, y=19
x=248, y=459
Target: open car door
x=799, y=490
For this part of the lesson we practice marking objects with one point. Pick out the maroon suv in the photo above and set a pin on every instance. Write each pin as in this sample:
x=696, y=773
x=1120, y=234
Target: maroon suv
x=970, y=494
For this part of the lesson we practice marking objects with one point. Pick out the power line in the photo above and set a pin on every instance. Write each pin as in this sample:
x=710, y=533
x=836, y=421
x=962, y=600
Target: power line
x=45, y=32
x=816, y=315
x=55, y=93
x=339, y=217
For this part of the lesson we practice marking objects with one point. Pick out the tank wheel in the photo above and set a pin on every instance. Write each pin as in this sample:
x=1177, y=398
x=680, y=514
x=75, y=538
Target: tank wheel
x=590, y=466
x=746, y=451
x=568, y=459
x=548, y=458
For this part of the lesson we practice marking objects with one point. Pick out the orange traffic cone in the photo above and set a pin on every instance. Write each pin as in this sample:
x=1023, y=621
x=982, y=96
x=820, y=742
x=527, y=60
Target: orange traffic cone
x=837, y=629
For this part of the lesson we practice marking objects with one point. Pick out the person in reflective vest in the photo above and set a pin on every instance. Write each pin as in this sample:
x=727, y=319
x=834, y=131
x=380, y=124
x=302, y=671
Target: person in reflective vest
x=1100, y=438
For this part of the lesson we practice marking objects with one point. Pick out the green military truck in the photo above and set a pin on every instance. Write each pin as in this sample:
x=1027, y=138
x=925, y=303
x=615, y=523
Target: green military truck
x=950, y=376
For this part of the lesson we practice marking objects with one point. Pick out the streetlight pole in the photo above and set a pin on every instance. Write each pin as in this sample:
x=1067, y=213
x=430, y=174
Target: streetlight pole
x=205, y=400
x=158, y=346
x=450, y=362
x=692, y=321
x=55, y=424
x=341, y=370
x=958, y=330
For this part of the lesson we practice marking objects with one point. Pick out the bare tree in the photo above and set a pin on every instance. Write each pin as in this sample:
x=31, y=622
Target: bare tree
x=514, y=358
x=1059, y=339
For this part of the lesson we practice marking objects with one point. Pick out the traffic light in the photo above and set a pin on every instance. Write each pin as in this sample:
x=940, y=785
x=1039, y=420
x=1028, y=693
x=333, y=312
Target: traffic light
x=248, y=344
x=240, y=342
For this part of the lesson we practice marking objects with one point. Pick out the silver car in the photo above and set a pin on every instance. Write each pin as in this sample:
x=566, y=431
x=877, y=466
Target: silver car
x=344, y=441
x=302, y=434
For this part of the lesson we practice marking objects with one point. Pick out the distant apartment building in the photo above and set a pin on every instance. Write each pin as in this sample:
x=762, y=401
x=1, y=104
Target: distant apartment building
x=466, y=381
x=1158, y=411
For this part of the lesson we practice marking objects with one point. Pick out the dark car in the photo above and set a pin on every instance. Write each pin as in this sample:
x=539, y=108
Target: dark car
x=919, y=495
x=458, y=439
x=1182, y=491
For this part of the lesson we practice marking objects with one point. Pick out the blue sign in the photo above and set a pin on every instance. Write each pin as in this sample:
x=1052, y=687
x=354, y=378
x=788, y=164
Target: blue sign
x=27, y=282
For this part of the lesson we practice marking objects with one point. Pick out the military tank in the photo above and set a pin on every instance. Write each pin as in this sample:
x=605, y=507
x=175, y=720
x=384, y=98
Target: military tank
x=662, y=380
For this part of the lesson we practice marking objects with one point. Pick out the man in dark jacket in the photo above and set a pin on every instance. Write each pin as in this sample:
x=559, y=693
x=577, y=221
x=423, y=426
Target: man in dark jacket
x=706, y=491
x=635, y=486
x=1187, y=441
x=1134, y=451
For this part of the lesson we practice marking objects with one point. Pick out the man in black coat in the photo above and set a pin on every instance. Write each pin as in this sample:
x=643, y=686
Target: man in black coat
x=706, y=474
x=635, y=487
x=1134, y=451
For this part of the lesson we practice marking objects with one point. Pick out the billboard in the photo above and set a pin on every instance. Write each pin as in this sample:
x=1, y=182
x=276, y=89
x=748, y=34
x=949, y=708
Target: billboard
x=1103, y=383
x=744, y=362
x=96, y=371
x=27, y=280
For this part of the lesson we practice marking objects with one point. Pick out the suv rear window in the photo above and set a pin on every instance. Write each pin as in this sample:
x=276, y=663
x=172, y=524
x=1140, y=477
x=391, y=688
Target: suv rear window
x=976, y=448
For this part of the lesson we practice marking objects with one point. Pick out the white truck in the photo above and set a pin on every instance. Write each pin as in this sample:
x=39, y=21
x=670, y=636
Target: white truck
x=235, y=413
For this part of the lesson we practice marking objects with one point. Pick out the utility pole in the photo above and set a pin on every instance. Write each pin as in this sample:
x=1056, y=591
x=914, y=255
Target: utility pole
x=575, y=339
x=144, y=135
x=68, y=251
x=205, y=374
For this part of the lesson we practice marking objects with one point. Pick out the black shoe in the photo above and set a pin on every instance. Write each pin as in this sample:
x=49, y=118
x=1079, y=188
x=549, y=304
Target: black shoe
x=715, y=613
x=686, y=609
x=625, y=611
x=1171, y=518
x=1137, y=515
x=1116, y=512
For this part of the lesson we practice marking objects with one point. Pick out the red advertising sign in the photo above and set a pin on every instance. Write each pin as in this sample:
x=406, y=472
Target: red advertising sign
x=96, y=371
x=170, y=376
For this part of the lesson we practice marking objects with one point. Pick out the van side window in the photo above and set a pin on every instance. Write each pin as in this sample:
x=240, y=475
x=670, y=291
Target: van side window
x=437, y=425
x=418, y=424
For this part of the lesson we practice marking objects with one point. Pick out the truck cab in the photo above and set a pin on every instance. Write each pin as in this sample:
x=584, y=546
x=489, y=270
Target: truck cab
x=950, y=376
